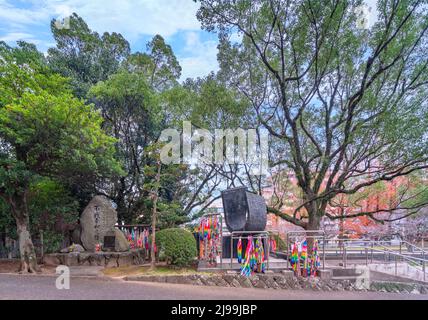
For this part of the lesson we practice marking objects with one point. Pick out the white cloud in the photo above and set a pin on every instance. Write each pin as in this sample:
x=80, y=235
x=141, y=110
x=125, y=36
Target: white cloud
x=13, y=37
x=199, y=58
x=132, y=18
x=18, y=17
x=129, y=17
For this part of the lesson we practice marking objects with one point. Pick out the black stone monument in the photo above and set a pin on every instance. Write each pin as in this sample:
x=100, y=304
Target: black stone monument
x=243, y=211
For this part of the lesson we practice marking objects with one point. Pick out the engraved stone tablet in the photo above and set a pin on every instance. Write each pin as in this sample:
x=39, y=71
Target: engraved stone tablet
x=97, y=221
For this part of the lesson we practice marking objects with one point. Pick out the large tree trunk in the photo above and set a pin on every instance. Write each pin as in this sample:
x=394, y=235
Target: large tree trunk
x=26, y=247
x=18, y=204
x=313, y=224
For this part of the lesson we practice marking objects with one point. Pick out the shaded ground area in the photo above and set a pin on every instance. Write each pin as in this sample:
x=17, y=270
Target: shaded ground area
x=12, y=266
x=9, y=266
x=161, y=269
x=43, y=287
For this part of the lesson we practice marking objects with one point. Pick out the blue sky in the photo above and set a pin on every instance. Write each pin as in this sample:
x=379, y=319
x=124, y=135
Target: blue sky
x=137, y=20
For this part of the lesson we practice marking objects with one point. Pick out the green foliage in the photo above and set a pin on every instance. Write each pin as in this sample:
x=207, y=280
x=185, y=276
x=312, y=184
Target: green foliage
x=52, y=209
x=170, y=210
x=7, y=222
x=178, y=246
x=133, y=116
x=52, y=241
x=84, y=56
x=49, y=140
x=57, y=135
x=159, y=65
x=24, y=69
x=344, y=104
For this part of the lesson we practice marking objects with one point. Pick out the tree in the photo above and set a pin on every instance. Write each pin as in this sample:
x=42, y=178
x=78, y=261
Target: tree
x=154, y=193
x=156, y=173
x=159, y=64
x=45, y=133
x=84, y=56
x=346, y=107
x=132, y=115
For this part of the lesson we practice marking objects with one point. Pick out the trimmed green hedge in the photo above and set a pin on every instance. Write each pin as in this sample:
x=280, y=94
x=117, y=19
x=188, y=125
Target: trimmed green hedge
x=177, y=246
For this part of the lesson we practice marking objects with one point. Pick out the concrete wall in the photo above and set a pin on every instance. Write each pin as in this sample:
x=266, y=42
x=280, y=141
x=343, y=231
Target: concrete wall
x=402, y=270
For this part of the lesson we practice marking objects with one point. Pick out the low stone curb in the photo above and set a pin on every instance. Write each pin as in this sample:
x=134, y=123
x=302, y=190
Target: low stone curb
x=278, y=282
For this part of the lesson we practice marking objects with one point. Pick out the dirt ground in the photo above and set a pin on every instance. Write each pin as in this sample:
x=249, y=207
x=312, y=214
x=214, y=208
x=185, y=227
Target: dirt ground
x=12, y=266
x=161, y=269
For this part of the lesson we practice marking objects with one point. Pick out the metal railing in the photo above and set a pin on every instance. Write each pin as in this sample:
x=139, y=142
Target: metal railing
x=306, y=234
x=264, y=235
x=368, y=249
x=387, y=252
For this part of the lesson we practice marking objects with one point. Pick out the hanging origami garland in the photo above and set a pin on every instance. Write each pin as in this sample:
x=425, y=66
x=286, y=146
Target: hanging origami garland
x=130, y=241
x=239, y=250
x=201, y=229
x=140, y=240
x=315, y=261
x=246, y=269
x=260, y=256
x=146, y=238
x=209, y=239
x=304, y=256
x=206, y=229
x=254, y=260
x=295, y=263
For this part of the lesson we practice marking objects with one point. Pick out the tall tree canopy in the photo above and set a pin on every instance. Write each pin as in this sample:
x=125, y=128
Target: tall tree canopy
x=45, y=133
x=84, y=56
x=345, y=106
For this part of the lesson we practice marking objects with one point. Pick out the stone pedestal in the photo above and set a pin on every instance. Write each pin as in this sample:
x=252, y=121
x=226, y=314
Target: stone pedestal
x=325, y=274
x=288, y=274
x=103, y=259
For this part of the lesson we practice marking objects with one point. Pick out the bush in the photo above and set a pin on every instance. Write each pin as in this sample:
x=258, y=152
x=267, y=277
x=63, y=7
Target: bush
x=177, y=246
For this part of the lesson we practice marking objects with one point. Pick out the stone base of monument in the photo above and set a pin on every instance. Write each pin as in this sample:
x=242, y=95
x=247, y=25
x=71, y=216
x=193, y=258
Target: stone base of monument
x=325, y=274
x=103, y=259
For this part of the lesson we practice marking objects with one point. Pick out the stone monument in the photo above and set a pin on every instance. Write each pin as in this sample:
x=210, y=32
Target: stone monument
x=243, y=210
x=97, y=222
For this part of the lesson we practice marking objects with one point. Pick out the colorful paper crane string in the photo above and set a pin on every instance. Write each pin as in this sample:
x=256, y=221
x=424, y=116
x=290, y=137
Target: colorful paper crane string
x=315, y=260
x=239, y=250
x=246, y=269
x=305, y=259
x=295, y=263
x=209, y=238
x=260, y=256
